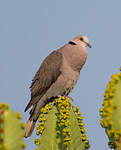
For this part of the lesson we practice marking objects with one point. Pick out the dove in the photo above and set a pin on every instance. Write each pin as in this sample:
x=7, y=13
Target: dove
x=56, y=77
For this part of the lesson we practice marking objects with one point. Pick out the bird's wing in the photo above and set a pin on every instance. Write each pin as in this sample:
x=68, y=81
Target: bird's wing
x=46, y=75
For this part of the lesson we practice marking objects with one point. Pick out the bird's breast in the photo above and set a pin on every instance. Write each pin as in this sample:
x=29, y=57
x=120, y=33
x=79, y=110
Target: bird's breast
x=69, y=77
x=75, y=56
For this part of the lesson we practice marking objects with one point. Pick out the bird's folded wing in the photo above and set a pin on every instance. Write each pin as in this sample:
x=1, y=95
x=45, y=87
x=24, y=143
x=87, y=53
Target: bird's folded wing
x=45, y=77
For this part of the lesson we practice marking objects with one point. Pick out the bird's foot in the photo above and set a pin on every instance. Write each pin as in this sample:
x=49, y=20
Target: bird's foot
x=59, y=96
x=70, y=98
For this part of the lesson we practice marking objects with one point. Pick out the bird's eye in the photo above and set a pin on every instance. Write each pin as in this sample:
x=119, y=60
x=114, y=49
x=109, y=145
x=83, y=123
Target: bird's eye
x=81, y=39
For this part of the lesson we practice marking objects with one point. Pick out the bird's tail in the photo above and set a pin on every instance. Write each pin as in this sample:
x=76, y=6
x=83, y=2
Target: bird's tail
x=34, y=114
x=29, y=127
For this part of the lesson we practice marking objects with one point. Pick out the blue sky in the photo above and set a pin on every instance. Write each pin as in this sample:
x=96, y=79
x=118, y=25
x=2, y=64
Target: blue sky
x=30, y=30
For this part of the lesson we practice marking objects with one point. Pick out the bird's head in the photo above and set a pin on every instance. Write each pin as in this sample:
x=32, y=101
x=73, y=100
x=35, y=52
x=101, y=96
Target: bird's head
x=81, y=40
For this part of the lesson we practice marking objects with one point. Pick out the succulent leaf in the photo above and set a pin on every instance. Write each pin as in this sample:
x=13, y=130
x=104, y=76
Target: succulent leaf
x=11, y=129
x=60, y=127
x=111, y=111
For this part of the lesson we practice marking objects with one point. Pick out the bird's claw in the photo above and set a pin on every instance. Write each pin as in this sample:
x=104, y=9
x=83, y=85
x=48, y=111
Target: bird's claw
x=59, y=96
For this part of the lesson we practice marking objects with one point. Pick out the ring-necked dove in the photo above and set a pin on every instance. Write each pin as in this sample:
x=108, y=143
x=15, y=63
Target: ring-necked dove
x=56, y=76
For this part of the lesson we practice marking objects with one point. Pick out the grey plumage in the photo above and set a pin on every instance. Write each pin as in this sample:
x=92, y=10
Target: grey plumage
x=56, y=76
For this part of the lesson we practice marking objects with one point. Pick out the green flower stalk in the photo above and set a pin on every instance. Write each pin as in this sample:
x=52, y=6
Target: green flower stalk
x=111, y=112
x=60, y=127
x=11, y=129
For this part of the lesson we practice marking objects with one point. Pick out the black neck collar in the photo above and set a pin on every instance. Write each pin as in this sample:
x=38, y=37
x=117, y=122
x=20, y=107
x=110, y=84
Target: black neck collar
x=71, y=42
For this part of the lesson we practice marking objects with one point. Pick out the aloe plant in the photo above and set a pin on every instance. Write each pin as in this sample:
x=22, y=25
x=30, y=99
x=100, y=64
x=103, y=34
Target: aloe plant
x=111, y=112
x=11, y=129
x=61, y=124
x=60, y=127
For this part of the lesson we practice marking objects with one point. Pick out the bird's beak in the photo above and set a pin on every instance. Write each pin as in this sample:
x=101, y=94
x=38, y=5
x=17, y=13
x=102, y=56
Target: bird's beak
x=89, y=45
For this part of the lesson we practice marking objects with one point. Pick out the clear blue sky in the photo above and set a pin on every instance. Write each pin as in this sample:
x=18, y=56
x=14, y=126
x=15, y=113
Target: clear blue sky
x=31, y=29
